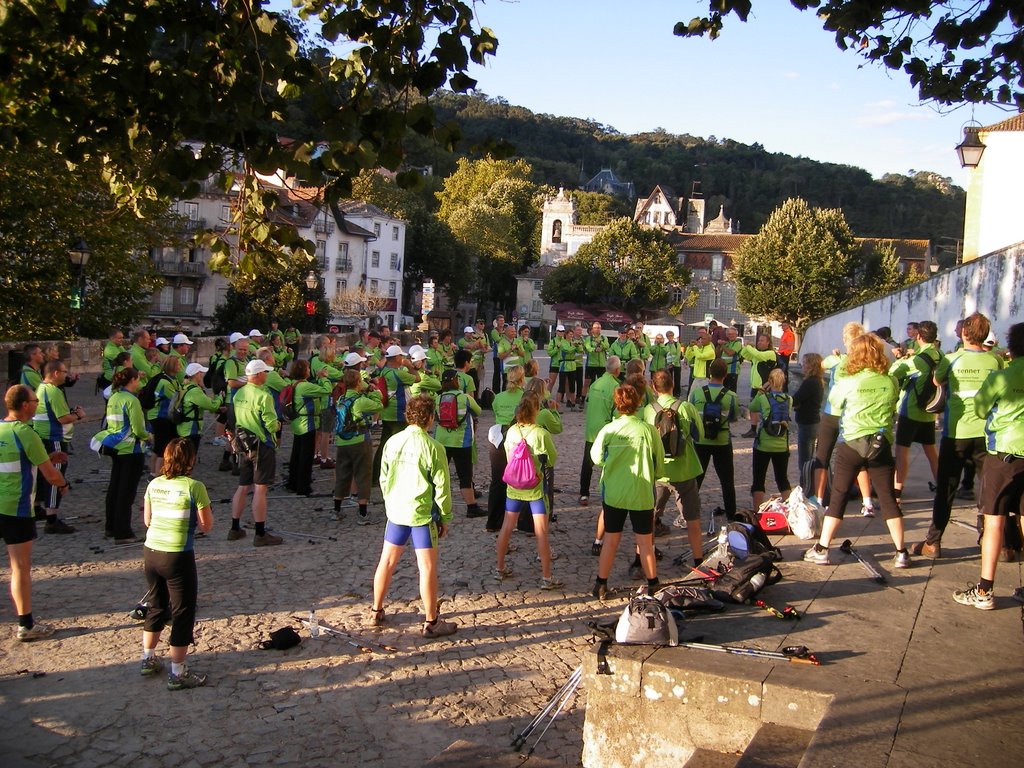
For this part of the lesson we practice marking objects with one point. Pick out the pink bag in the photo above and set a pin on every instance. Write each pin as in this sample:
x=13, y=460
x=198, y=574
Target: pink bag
x=520, y=472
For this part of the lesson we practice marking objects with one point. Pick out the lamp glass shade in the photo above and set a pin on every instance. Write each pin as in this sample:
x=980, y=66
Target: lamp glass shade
x=970, y=149
x=311, y=280
x=79, y=253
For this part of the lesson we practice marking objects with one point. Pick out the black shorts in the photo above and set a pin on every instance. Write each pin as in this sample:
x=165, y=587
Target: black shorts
x=163, y=433
x=640, y=520
x=909, y=431
x=1002, y=485
x=258, y=468
x=594, y=373
x=17, y=530
x=173, y=591
x=463, y=458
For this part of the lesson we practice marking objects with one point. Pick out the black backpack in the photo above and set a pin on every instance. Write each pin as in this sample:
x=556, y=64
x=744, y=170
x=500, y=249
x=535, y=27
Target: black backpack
x=666, y=421
x=147, y=395
x=744, y=533
x=765, y=367
x=214, y=379
x=746, y=578
x=713, y=413
x=931, y=397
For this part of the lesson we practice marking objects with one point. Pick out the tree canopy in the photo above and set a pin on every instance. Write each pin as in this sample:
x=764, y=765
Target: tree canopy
x=624, y=265
x=952, y=51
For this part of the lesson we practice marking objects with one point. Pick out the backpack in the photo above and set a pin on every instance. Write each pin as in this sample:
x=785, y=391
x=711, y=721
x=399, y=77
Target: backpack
x=380, y=383
x=214, y=379
x=448, y=410
x=666, y=421
x=520, y=472
x=345, y=425
x=931, y=397
x=487, y=399
x=177, y=413
x=713, y=413
x=777, y=423
x=646, y=621
x=287, y=400
x=745, y=579
x=746, y=537
x=765, y=367
x=689, y=598
x=147, y=395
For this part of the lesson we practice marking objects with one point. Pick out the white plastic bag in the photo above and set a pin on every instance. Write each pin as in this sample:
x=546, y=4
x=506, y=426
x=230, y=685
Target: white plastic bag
x=802, y=515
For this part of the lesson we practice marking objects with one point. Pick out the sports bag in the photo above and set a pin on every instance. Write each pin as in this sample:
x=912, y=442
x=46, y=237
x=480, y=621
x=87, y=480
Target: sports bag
x=520, y=472
x=345, y=425
x=666, y=421
x=689, y=598
x=931, y=397
x=448, y=410
x=801, y=515
x=777, y=423
x=176, y=414
x=712, y=414
x=746, y=537
x=772, y=516
x=287, y=400
x=745, y=579
x=147, y=395
x=646, y=620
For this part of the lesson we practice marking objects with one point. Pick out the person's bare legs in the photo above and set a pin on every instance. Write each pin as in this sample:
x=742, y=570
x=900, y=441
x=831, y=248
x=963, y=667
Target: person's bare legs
x=259, y=503
x=992, y=545
x=389, y=556
x=508, y=525
x=238, y=501
x=829, y=526
x=695, y=536
x=604, y=563
x=20, y=556
x=540, y=531
x=426, y=560
x=645, y=545
x=895, y=526
x=902, y=463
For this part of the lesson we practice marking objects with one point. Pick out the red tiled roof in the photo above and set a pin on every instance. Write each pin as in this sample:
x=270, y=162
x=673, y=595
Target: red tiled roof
x=906, y=250
x=684, y=241
x=1015, y=123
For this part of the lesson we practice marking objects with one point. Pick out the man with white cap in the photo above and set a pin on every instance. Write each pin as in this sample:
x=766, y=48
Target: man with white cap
x=429, y=383
x=234, y=374
x=181, y=345
x=399, y=375
x=256, y=427
x=164, y=346
x=255, y=341
x=194, y=401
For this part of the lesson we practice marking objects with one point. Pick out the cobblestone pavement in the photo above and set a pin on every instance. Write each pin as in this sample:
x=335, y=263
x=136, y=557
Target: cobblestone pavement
x=78, y=698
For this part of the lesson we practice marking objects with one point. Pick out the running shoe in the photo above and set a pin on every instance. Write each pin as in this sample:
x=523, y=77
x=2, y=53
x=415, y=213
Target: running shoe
x=818, y=558
x=187, y=679
x=983, y=601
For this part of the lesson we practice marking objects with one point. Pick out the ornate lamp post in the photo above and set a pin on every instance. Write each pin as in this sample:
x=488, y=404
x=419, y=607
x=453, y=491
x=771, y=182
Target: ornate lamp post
x=78, y=255
x=312, y=282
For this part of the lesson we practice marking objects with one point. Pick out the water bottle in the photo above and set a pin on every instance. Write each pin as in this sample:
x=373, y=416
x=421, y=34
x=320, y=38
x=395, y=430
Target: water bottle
x=748, y=590
x=314, y=625
x=722, y=552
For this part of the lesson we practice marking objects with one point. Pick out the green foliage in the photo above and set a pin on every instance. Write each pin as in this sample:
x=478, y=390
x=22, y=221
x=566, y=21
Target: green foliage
x=798, y=267
x=127, y=83
x=624, y=265
x=273, y=289
x=954, y=52
x=493, y=208
x=597, y=208
x=880, y=274
x=44, y=208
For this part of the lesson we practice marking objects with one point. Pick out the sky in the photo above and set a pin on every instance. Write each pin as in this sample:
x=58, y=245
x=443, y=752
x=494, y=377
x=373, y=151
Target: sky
x=778, y=80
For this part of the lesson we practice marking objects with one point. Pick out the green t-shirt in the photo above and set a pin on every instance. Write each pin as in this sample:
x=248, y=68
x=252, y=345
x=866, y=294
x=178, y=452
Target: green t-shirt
x=505, y=404
x=624, y=350
x=730, y=405
x=309, y=400
x=52, y=406
x=255, y=412
x=686, y=466
x=21, y=451
x=865, y=403
x=911, y=373
x=174, y=505
x=399, y=381
x=756, y=356
x=462, y=436
x=194, y=402
x=597, y=351
x=659, y=357
x=363, y=406
x=30, y=377
x=762, y=404
x=600, y=405
x=632, y=457
x=110, y=351
x=964, y=371
x=124, y=424
x=541, y=446
x=1000, y=401
x=731, y=355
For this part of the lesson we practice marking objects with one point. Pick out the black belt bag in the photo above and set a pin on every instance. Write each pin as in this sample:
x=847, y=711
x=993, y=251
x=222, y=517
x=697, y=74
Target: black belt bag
x=870, y=447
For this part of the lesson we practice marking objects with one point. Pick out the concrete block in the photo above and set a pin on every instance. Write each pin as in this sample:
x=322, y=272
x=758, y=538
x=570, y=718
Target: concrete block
x=858, y=728
x=775, y=746
x=798, y=696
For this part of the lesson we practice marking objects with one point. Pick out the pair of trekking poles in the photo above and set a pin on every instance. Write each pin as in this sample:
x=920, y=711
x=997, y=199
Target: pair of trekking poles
x=552, y=708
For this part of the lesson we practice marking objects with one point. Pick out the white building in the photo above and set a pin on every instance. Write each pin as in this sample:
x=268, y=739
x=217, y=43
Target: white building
x=992, y=220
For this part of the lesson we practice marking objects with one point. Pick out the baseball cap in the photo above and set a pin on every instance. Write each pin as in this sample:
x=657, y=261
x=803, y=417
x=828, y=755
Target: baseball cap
x=469, y=329
x=415, y=348
x=193, y=368
x=256, y=366
x=236, y=337
x=990, y=341
x=394, y=351
x=353, y=358
x=416, y=355
x=254, y=333
x=160, y=341
x=559, y=327
x=180, y=338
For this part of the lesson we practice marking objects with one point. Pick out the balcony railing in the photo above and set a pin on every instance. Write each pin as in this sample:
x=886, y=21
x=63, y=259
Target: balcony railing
x=343, y=265
x=322, y=227
x=191, y=226
x=191, y=312
x=170, y=267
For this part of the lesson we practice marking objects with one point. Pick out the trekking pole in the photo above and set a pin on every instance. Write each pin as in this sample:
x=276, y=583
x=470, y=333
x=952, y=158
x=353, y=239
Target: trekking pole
x=876, y=575
x=795, y=654
x=953, y=520
x=316, y=627
x=565, y=700
x=520, y=739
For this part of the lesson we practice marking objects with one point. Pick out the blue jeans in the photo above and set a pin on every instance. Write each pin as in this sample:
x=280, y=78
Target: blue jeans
x=806, y=437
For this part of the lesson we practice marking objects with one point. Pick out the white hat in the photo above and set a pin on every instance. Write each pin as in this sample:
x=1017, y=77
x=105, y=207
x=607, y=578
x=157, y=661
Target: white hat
x=394, y=351
x=181, y=338
x=193, y=368
x=469, y=329
x=414, y=349
x=559, y=327
x=991, y=340
x=353, y=358
x=254, y=333
x=236, y=337
x=417, y=355
x=254, y=367
x=161, y=341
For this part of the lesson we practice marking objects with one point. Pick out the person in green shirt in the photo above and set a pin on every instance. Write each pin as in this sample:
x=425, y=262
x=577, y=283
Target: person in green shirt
x=429, y=383
x=641, y=342
x=399, y=374
x=525, y=346
x=763, y=360
x=771, y=448
x=1000, y=404
x=568, y=349
x=292, y=337
x=113, y=347
x=633, y=458
x=698, y=355
x=435, y=355
x=963, y=433
x=730, y=352
x=507, y=351
x=623, y=348
x=175, y=507
x=913, y=343
x=554, y=350
x=683, y=470
x=447, y=349
x=674, y=352
x=418, y=501
x=715, y=442
x=599, y=412
x=504, y=408
x=122, y=438
x=140, y=343
x=659, y=354
x=31, y=371
x=308, y=397
x=256, y=429
x=913, y=423
x=159, y=415
x=596, y=347
x=21, y=453
x=865, y=401
x=54, y=423
x=459, y=439
x=356, y=407
x=497, y=332
x=282, y=355
x=181, y=347
x=194, y=401
x=472, y=343
x=542, y=453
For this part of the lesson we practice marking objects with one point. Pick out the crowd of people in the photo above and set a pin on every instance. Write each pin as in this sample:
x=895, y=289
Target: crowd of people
x=657, y=413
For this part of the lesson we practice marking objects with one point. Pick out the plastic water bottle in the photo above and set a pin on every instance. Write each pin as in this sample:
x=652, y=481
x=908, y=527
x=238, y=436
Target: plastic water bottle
x=748, y=590
x=757, y=581
x=314, y=625
x=722, y=552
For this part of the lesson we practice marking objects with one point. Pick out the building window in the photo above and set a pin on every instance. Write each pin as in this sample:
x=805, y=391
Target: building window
x=373, y=286
x=391, y=321
x=375, y=260
x=166, y=299
x=394, y=262
x=394, y=232
x=344, y=263
x=225, y=213
x=717, y=262
x=187, y=297
x=538, y=307
x=556, y=231
x=715, y=299
x=392, y=289
x=676, y=295
x=657, y=217
x=657, y=199
x=340, y=286
x=376, y=229
x=538, y=285
x=191, y=211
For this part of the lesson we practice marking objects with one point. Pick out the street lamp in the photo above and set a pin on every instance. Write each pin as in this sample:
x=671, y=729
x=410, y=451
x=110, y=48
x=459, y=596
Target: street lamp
x=971, y=148
x=78, y=255
x=312, y=281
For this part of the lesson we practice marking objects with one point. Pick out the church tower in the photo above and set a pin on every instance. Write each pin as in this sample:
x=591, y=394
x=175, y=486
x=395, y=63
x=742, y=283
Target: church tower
x=557, y=221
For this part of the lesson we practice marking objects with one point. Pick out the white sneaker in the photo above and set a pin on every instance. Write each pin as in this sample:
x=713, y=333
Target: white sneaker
x=818, y=558
x=867, y=511
x=973, y=596
x=37, y=632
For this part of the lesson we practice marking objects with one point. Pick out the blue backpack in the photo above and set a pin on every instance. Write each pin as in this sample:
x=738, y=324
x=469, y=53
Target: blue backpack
x=345, y=425
x=777, y=423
